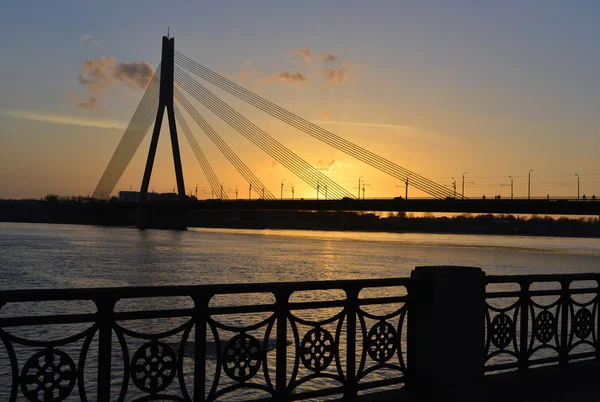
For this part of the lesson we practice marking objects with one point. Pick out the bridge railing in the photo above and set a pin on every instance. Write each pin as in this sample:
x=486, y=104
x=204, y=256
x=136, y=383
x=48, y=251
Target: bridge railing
x=536, y=320
x=204, y=343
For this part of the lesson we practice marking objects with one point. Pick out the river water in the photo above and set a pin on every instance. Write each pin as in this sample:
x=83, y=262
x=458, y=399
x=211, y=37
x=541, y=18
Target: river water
x=66, y=256
x=69, y=256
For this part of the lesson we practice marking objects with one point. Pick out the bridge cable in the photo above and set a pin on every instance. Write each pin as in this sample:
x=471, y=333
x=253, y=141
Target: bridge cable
x=310, y=128
x=204, y=164
x=133, y=136
x=403, y=172
x=222, y=146
x=400, y=174
x=284, y=159
x=272, y=147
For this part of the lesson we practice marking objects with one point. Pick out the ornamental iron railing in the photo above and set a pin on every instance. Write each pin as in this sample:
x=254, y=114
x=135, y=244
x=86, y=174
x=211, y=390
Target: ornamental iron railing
x=541, y=319
x=283, y=341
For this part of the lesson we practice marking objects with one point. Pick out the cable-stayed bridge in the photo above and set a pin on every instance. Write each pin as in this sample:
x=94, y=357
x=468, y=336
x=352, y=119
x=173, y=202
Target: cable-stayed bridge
x=179, y=78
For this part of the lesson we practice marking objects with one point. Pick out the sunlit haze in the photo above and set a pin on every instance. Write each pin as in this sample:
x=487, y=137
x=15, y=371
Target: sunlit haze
x=440, y=88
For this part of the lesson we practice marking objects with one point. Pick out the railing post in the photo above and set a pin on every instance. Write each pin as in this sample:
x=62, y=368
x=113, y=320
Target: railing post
x=447, y=352
x=201, y=317
x=564, y=326
x=350, y=386
x=281, y=315
x=524, y=326
x=597, y=320
x=105, y=320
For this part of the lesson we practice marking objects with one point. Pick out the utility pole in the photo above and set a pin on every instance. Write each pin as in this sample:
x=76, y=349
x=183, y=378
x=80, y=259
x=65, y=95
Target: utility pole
x=406, y=191
x=463, y=185
x=511, y=187
x=250, y=192
x=529, y=184
x=454, y=186
x=292, y=192
x=577, y=186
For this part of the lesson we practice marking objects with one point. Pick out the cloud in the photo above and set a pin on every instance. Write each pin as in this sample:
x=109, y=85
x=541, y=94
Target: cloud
x=68, y=120
x=290, y=78
x=328, y=57
x=105, y=72
x=329, y=166
x=86, y=37
x=303, y=54
x=338, y=76
x=92, y=103
x=325, y=115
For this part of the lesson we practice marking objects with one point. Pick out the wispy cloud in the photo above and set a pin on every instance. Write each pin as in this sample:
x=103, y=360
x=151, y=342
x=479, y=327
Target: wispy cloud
x=290, y=78
x=328, y=57
x=304, y=55
x=86, y=37
x=63, y=119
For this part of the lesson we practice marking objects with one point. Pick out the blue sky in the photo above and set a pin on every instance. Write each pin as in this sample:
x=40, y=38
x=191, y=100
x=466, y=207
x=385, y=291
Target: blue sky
x=492, y=88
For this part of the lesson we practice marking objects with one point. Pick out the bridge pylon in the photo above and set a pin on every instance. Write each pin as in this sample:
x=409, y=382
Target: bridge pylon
x=165, y=102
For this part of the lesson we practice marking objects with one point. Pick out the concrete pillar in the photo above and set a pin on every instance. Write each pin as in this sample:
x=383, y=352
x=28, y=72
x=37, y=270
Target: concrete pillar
x=446, y=351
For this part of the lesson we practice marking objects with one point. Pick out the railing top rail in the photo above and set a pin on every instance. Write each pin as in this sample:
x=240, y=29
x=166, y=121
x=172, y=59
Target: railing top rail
x=34, y=295
x=542, y=278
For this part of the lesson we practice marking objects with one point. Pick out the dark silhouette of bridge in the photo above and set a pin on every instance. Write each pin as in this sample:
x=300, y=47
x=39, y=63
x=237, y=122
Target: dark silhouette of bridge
x=172, y=85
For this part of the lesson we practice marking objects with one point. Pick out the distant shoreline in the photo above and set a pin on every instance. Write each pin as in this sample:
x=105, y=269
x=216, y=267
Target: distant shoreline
x=115, y=214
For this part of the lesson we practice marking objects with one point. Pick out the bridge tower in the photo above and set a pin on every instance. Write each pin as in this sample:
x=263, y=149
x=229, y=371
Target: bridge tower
x=165, y=101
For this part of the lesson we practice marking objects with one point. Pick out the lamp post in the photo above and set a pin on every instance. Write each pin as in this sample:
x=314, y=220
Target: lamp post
x=511, y=187
x=325, y=191
x=250, y=192
x=196, y=191
x=282, y=188
x=454, y=186
x=463, y=185
x=406, y=190
x=292, y=192
x=318, y=186
x=577, y=186
x=529, y=184
x=221, y=190
x=359, y=186
x=236, y=193
x=363, y=189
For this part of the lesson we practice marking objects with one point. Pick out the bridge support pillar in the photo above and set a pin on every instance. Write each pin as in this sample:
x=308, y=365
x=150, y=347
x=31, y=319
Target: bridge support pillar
x=446, y=324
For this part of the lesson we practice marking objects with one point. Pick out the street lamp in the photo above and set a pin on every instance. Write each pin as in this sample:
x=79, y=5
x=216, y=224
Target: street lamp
x=454, y=186
x=511, y=187
x=318, y=186
x=463, y=185
x=282, y=188
x=292, y=191
x=359, y=186
x=406, y=190
x=250, y=192
x=529, y=184
x=236, y=193
x=325, y=191
x=221, y=190
x=577, y=186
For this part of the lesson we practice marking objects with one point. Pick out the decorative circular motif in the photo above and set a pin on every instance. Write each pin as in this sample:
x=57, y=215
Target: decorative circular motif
x=582, y=323
x=502, y=329
x=153, y=366
x=317, y=349
x=48, y=375
x=382, y=341
x=545, y=326
x=242, y=357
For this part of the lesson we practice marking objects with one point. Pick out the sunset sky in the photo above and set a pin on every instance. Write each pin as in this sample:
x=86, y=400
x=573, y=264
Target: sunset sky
x=439, y=87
